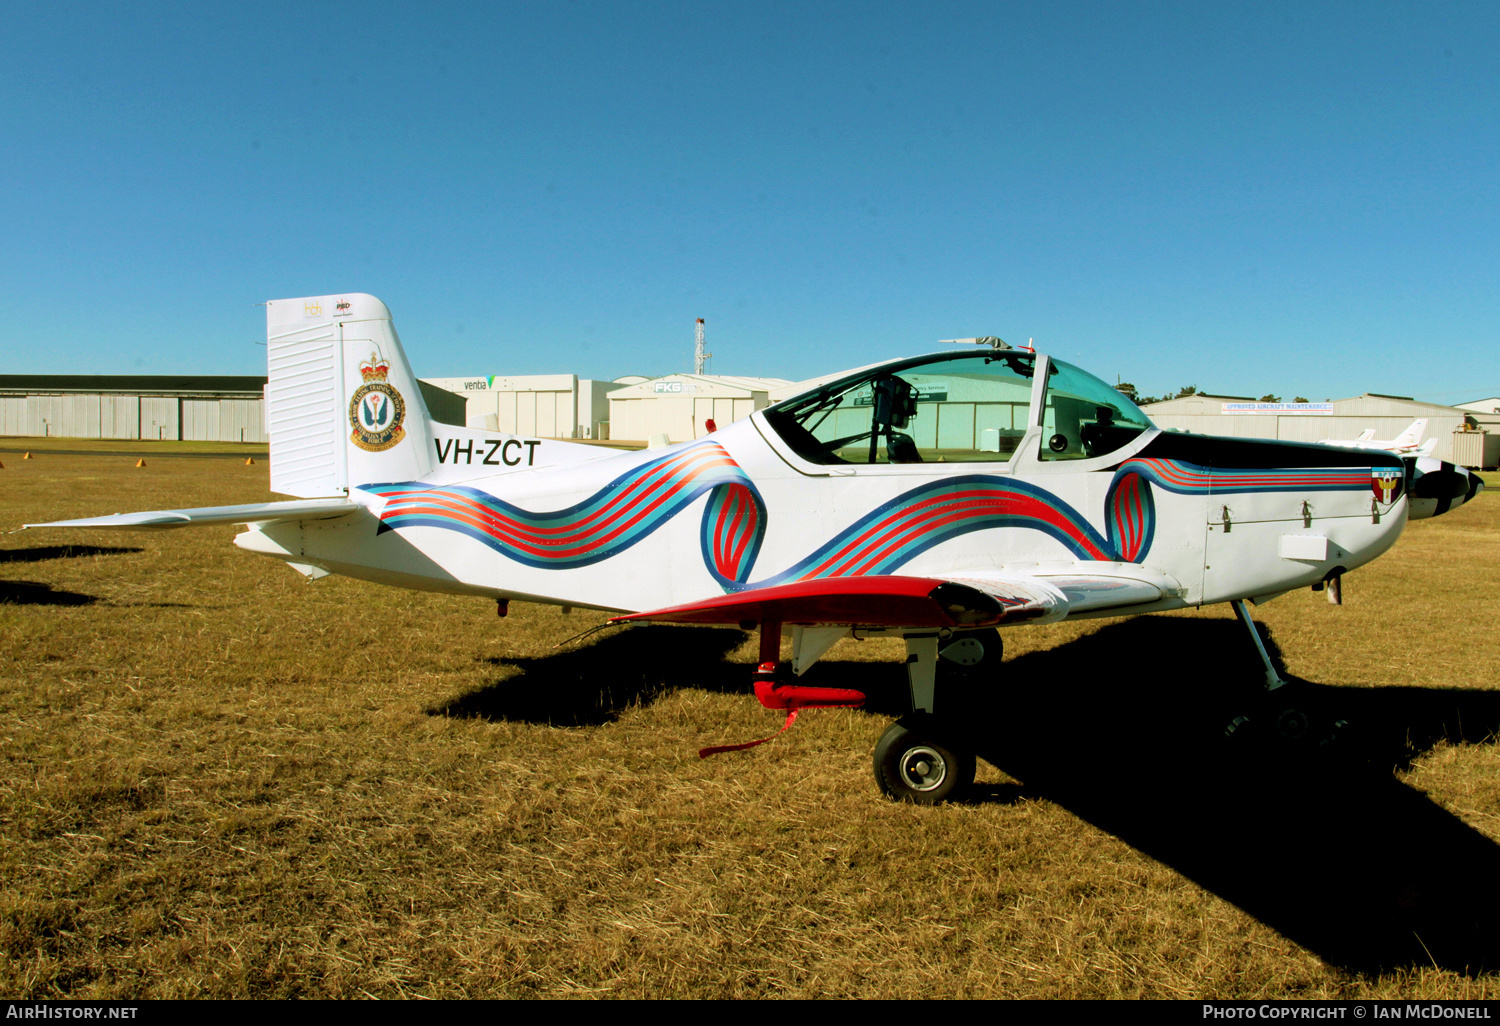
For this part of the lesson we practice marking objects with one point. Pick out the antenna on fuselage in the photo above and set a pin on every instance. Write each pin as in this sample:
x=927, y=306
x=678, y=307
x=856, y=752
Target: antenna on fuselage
x=987, y=340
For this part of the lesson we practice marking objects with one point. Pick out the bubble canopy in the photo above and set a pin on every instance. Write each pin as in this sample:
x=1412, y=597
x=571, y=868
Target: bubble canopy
x=955, y=408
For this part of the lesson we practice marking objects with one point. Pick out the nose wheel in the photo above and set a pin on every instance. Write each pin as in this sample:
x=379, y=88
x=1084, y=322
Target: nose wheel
x=916, y=762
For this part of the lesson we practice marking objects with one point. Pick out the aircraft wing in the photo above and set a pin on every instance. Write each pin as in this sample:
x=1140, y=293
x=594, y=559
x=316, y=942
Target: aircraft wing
x=1038, y=593
x=252, y=513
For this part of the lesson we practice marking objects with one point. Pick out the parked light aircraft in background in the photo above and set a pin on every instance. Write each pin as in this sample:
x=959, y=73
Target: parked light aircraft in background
x=1407, y=443
x=933, y=498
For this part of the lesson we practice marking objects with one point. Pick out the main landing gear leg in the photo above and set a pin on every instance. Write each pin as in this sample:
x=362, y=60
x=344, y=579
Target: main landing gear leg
x=921, y=758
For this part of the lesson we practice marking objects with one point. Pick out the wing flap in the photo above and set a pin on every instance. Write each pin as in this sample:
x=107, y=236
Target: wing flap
x=1086, y=586
x=1032, y=592
x=876, y=601
x=252, y=513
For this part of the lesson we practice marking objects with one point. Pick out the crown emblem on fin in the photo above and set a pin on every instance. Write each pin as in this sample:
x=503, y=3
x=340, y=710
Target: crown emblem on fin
x=375, y=368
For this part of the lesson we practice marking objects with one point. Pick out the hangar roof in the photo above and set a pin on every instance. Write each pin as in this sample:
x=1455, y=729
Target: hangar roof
x=1490, y=405
x=134, y=384
x=721, y=385
x=1370, y=404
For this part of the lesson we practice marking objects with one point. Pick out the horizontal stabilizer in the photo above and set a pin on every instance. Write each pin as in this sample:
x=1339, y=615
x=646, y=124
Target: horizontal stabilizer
x=253, y=513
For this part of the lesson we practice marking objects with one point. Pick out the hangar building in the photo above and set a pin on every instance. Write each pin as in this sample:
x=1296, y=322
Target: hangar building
x=1484, y=450
x=225, y=408
x=541, y=405
x=191, y=408
x=680, y=405
x=1239, y=416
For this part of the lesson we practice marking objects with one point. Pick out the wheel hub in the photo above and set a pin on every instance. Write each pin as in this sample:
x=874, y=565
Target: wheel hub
x=923, y=768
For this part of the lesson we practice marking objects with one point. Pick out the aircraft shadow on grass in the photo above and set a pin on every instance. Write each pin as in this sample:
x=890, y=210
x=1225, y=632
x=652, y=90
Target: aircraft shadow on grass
x=1125, y=728
x=593, y=684
x=41, y=553
x=1320, y=841
x=35, y=593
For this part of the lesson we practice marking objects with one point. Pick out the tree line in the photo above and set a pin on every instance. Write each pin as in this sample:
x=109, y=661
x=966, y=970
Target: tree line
x=1143, y=400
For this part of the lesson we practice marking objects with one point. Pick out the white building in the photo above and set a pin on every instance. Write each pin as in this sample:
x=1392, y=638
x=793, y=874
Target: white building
x=1238, y=416
x=540, y=405
x=680, y=405
x=223, y=408
x=1479, y=447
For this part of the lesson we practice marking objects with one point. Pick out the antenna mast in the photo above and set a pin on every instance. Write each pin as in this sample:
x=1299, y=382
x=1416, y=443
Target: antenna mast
x=699, y=356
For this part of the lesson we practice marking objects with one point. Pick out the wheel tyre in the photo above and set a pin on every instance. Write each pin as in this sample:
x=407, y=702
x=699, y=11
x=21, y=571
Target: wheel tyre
x=1293, y=724
x=912, y=765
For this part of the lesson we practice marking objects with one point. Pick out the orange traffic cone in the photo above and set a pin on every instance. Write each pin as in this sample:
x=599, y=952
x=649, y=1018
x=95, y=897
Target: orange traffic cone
x=141, y=462
x=249, y=461
x=27, y=456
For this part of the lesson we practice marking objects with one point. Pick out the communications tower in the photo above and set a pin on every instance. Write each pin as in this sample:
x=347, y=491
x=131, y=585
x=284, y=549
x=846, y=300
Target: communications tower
x=699, y=356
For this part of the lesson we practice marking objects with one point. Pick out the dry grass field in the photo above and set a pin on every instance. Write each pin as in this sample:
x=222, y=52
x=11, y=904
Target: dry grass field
x=224, y=781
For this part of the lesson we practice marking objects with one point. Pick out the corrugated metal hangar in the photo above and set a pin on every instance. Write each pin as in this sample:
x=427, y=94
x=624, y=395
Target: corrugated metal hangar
x=632, y=409
x=226, y=408
x=1484, y=418
x=1344, y=419
x=681, y=405
x=540, y=405
x=214, y=409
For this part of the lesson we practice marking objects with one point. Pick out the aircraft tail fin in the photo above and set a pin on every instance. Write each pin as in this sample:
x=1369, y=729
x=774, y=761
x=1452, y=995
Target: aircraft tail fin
x=342, y=403
x=1412, y=436
x=1368, y=434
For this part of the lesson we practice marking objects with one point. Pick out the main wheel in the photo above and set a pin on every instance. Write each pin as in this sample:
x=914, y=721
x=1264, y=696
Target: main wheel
x=913, y=765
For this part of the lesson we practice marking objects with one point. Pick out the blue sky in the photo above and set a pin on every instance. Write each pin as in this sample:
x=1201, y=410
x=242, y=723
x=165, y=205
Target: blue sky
x=1297, y=199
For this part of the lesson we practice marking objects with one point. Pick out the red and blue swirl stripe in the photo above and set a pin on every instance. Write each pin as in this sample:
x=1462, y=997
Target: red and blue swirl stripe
x=613, y=519
x=633, y=505
x=908, y=525
x=1189, y=479
x=1130, y=514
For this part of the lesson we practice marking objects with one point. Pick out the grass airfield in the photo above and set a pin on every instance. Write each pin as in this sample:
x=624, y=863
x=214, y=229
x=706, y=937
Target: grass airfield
x=225, y=781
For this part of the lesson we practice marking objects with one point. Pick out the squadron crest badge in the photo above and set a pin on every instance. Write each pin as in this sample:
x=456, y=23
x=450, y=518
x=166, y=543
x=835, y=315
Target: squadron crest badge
x=1386, y=484
x=377, y=409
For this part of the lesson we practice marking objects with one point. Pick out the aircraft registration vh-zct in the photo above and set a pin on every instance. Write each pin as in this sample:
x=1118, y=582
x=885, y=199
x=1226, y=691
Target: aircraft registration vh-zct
x=934, y=498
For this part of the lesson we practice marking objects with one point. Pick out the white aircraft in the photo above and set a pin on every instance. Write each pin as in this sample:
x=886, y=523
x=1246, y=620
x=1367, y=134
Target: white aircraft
x=932, y=498
x=1407, y=443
